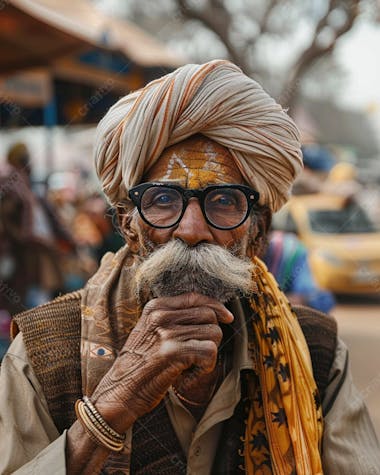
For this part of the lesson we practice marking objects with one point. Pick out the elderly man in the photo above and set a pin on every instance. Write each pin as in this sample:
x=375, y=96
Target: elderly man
x=181, y=354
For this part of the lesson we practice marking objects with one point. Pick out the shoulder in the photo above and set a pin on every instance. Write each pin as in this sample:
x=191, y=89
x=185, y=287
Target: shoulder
x=17, y=349
x=51, y=332
x=16, y=371
x=57, y=315
x=320, y=331
x=316, y=325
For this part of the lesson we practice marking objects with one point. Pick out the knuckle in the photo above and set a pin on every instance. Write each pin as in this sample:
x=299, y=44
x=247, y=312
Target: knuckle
x=210, y=349
x=162, y=333
x=214, y=332
x=150, y=306
x=168, y=349
x=203, y=314
x=196, y=314
x=155, y=318
x=218, y=334
x=209, y=312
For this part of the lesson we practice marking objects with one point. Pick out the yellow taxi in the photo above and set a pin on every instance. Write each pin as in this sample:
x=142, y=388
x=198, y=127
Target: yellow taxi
x=343, y=244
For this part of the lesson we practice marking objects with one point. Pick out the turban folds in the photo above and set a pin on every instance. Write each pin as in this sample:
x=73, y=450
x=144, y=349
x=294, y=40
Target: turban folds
x=214, y=99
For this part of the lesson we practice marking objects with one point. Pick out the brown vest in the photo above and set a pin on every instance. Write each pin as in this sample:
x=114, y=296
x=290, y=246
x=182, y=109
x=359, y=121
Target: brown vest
x=51, y=334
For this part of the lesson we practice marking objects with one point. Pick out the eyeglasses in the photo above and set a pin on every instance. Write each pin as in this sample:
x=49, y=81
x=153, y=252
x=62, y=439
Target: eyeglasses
x=162, y=205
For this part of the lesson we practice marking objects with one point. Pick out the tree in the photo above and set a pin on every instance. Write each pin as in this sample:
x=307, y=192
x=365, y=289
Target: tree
x=275, y=41
x=270, y=23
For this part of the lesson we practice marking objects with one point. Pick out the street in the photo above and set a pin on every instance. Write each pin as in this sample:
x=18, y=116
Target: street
x=359, y=327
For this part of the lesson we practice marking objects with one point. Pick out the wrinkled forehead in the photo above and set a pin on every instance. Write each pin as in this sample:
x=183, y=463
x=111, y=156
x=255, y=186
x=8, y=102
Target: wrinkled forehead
x=195, y=163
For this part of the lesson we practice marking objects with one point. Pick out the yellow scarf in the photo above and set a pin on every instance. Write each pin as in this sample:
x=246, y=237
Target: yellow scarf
x=284, y=410
x=284, y=423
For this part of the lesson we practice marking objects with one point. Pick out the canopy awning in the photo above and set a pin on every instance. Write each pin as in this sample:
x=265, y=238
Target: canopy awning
x=68, y=55
x=39, y=32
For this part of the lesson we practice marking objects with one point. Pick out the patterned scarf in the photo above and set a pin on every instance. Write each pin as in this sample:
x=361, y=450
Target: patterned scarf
x=284, y=424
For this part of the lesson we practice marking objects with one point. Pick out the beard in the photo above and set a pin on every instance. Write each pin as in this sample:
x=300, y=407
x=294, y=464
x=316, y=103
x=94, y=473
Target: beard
x=176, y=268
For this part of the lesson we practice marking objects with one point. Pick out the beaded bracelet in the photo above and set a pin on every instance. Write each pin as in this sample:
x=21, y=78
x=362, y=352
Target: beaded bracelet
x=96, y=427
x=93, y=411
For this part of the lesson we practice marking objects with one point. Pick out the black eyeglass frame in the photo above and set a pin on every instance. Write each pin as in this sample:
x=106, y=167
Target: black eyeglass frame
x=137, y=192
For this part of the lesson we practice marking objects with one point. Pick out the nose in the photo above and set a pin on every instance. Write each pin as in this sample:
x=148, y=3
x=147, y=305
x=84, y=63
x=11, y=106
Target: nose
x=193, y=228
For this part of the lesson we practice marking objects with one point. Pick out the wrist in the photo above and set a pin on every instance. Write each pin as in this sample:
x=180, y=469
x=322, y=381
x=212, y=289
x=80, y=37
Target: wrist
x=97, y=427
x=115, y=414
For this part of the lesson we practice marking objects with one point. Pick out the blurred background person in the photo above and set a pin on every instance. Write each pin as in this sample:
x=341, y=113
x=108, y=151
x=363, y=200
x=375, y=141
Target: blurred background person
x=287, y=259
x=32, y=241
x=66, y=192
x=317, y=162
x=85, y=212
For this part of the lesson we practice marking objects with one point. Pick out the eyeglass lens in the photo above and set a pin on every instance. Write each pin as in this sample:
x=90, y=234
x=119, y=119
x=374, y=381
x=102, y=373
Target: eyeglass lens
x=224, y=207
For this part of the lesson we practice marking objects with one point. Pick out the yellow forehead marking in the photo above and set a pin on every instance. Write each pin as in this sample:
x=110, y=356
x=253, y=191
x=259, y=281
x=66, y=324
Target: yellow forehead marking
x=195, y=163
x=194, y=172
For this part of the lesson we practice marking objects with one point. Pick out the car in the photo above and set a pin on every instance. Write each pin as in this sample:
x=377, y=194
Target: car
x=342, y=242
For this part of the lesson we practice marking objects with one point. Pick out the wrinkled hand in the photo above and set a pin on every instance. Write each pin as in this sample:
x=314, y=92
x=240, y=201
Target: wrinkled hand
x=172, y=335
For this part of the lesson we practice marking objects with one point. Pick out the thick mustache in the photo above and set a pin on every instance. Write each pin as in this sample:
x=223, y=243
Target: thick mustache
x=177, y=268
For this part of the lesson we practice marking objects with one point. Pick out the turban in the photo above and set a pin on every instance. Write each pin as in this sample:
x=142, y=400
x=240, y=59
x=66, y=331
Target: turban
x=214, y=99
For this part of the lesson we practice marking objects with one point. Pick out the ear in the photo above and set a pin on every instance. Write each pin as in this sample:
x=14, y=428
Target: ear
x=265, y=220
x=128, y=229
x=261, y=222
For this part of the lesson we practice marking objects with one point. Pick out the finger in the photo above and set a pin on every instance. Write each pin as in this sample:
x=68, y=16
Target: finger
x=209, y=331
x=200, y=353
x=190, y=300
x=189, y=316
x=223, y=315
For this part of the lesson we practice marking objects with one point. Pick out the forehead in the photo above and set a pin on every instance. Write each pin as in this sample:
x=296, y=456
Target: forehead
x=195, y=163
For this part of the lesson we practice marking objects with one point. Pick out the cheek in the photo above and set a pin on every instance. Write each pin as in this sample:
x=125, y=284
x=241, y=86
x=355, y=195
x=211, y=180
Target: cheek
x=236, y=237
x=154, y=235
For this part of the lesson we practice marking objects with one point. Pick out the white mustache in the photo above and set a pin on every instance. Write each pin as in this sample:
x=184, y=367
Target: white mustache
x=175, y=268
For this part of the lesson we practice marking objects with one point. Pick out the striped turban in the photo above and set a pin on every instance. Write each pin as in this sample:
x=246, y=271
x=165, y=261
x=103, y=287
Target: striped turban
x=214, y=99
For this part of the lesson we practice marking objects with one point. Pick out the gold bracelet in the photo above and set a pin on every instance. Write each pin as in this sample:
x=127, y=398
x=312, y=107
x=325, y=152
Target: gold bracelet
x=98, y=437
x=182, y=398
x=91, y=409
x=95, y=430
x=99, y=431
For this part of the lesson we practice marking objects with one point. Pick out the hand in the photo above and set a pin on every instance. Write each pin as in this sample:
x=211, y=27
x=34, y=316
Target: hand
x=172, y=335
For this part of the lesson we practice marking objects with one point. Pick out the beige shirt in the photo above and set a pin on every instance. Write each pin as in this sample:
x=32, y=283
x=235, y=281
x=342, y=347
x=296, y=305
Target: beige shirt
x=30, y=442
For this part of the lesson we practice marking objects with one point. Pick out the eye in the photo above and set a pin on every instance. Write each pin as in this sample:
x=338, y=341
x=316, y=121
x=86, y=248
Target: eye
x=223, y=199
x=164, y=198
x=160, y=197
x=226, y=200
